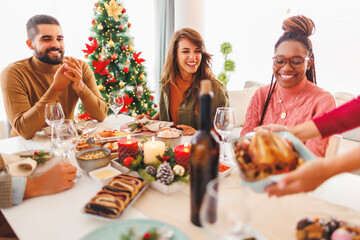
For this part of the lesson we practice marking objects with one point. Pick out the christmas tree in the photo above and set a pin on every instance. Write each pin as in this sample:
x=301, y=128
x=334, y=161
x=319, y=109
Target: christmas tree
x=116, y=64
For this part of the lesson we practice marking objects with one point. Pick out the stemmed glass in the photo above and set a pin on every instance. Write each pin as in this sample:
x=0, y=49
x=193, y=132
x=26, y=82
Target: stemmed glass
x=224, y=212
x=224, y=123
x=65, y=137
x=53, y=114
x=116, y=103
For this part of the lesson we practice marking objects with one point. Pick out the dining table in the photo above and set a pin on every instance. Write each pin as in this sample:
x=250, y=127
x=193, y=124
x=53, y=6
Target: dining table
x=61, y=215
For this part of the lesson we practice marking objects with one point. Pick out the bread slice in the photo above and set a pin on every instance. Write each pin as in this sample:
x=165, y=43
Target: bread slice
x=106, y=205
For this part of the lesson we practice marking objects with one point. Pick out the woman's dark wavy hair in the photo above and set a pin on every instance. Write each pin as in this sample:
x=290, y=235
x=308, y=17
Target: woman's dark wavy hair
x=297, y=28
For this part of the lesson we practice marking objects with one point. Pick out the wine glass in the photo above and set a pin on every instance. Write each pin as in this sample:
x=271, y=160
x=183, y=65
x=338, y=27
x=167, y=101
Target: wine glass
x=65, y=137
x=53, y=113
x=224, y=123
x=224, y=212
x=116, y=103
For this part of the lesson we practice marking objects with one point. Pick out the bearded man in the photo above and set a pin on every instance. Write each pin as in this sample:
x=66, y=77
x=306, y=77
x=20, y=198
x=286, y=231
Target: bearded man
x=27, y=85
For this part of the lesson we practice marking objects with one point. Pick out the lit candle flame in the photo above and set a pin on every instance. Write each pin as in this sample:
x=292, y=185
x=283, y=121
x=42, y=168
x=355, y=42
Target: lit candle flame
x=128, y=138
x=153, y=139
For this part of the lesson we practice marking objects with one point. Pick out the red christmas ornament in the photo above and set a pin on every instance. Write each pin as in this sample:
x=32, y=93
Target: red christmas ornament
x=129, y=24
x=147, y=113
x=96, y=5
x=124, y=10
x=126, y=69
x=151, y=97
x=121, y=27
x=113, y=56
x=90, y=39
x=90, y=48
x=123, y=47
x=155, y=105
x=137, y=59
x=93, y=22
x=128, y=161
x=100, y=66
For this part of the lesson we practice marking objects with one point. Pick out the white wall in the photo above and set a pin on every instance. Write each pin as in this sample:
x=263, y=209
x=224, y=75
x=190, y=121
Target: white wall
x=190, y=14
x=253, y=27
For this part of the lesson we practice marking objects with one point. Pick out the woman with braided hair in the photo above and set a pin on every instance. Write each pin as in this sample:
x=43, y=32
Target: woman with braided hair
x=293, y=97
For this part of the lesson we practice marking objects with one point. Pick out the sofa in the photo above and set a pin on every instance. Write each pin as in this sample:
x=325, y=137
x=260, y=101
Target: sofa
x=240, y=99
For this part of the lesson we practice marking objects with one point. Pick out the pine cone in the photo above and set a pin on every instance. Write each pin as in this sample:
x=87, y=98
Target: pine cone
x=165, y=174
x=151, y=170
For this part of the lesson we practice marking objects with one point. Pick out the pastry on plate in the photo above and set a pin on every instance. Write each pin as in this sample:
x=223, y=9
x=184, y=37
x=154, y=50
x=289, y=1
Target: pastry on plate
x=168, y=133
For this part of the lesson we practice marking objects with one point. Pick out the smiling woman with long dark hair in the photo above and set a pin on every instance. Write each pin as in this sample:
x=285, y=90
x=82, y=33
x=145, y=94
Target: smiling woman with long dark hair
x=187, y=63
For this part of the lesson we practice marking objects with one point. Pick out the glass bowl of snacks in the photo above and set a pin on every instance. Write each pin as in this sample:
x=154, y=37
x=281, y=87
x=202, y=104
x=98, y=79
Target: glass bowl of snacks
x=90, y=159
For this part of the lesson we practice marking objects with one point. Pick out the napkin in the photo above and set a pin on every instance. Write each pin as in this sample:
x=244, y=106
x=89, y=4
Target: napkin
x=18, y=166
x=145, y=124
x=82, y=127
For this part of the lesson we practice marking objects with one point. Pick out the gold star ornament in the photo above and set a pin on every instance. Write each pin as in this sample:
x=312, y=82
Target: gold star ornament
x=113, y=9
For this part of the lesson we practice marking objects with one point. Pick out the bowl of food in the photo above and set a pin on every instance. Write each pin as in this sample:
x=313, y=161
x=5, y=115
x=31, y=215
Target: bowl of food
x=90, y=159
x=263, y=157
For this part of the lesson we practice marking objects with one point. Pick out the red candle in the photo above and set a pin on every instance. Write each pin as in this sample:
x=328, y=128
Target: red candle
x=182, y=155
x=127, y=147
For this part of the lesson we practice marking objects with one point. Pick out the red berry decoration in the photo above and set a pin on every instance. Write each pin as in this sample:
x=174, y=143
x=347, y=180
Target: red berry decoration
x=167, y=158
x=126, y=69
x=90, y=39
x=147, y=236
x=36, y=153
x=124, y=10
x=129, y=24
x=128, y=161
x=113, y=56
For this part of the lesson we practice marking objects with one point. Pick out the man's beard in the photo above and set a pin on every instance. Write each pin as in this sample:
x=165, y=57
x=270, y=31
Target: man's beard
x=44, y=57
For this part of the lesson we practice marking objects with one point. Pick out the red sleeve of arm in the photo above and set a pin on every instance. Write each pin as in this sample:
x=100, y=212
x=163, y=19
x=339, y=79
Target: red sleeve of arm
x=340, y=119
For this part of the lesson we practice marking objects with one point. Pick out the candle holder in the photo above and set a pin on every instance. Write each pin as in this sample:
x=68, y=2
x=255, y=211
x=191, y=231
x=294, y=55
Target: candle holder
x=127, y=147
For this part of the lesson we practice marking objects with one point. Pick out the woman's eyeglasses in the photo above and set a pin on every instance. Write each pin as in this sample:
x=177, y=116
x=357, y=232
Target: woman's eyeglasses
x=295, y=62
